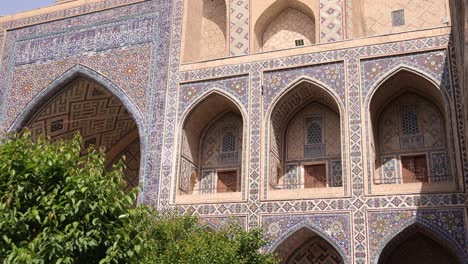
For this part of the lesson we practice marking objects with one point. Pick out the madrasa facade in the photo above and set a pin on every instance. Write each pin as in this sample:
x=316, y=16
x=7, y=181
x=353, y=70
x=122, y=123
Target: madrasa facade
x=338, y=126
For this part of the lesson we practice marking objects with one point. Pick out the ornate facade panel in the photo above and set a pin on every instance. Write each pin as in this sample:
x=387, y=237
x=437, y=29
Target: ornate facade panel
x=331, y=20
x=350, y=75
x=239, y=27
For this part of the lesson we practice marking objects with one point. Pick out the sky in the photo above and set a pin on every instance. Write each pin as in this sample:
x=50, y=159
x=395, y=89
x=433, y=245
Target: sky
x=8, y=7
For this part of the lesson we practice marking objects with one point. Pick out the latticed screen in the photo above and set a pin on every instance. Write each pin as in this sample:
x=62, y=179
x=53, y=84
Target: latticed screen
x=314, y=133
x=229, y=142
x=409, y=119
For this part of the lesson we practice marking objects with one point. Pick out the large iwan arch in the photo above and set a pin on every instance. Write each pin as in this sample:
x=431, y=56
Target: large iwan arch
x=83, y=101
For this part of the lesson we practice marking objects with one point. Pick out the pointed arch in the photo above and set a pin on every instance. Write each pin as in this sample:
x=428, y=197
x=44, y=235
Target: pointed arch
x=277, y=17
x=296, y=237
x=73, y=73
x=77, y=86
x=408, y=117
x=208, y=116
x=292, y=162
x=214, y=90
x=312, y=81
x=401, y=68
x=405, y=231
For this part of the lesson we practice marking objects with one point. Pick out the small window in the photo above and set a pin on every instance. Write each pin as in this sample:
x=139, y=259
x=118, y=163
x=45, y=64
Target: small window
x=409, y=120
x=414, y=169
x=299, y=42
x=314, y=133
x=398, y=18
x=229, y=142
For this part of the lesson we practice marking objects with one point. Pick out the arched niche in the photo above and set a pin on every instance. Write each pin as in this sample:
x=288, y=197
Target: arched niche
x=305, y=151
x=409, y=138
x=205, y=32
x=282, y=23
x=212, y=148
x=418, y=245
x=82, y=104
x=307, y=247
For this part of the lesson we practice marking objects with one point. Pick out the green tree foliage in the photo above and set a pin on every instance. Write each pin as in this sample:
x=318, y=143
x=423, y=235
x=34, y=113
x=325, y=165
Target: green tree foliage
x=59, y=206
x=181, y=239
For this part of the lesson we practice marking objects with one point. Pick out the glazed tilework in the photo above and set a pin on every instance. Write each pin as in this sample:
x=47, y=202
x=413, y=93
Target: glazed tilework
x=239, y=27
x=329, y=74
x=237, y=87
x=334, y=228
x=163, y=92
x=331, y=20
x=448, y=224
x=128, y=71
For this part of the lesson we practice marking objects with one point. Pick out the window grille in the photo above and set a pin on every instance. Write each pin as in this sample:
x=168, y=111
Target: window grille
x=314, y=133
x=409, y=119
x=229, y=142
x=398, y=18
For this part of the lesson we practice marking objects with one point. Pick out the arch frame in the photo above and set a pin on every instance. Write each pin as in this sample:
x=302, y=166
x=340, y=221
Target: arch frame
x=182, y=119
x=328, y=238
x=426, y=227
x=447, y=113
x=82, y=71
x=267, y=124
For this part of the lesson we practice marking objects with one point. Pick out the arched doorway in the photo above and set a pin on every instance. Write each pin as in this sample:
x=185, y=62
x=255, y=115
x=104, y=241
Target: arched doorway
x=307, y=247
x=416, y=245
x=85, y=106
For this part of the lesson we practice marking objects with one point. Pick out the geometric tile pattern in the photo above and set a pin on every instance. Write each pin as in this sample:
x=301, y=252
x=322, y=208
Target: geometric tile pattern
x=86, y=107
x=331, y=21
x=239, y=27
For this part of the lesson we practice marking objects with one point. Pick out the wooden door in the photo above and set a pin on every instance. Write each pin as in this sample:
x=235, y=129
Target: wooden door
x=414, y=169
x=227, y=181
x=315, y=176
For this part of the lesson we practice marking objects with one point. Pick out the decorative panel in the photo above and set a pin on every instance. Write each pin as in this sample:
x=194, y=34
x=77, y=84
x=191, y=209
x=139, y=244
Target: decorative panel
x=336, y=177
x=292, y=179
x=331, y=20
x=389, y=170
x=440, y=169
x=239, y=27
